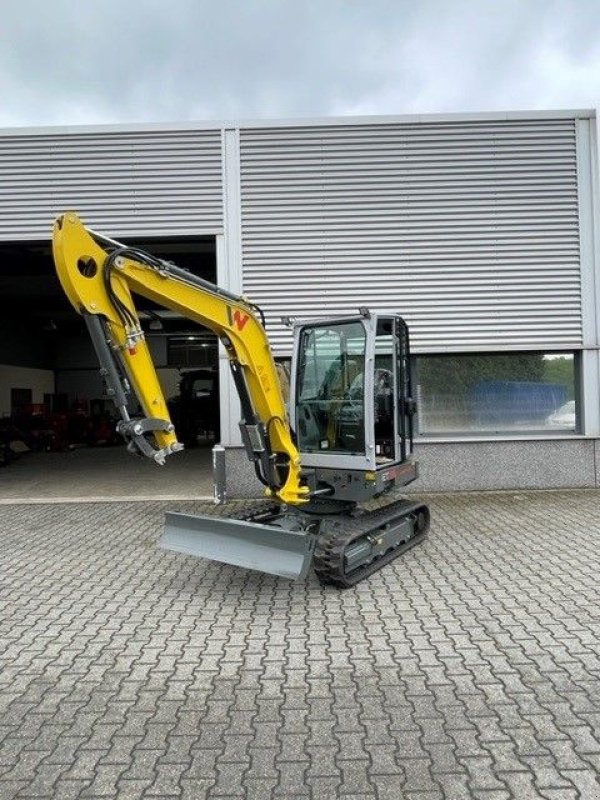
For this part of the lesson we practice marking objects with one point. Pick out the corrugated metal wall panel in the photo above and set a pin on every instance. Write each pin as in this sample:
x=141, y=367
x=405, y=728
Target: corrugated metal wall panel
x=469, y=229
x=154, y=182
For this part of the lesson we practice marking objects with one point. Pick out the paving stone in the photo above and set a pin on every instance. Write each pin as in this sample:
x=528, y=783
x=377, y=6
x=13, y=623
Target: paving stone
x=469, y=668
x=586, y=781
x=323, y=788
x=545, y=773
x=70, y=790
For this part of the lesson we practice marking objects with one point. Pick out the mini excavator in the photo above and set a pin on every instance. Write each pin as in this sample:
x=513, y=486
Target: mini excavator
x=332, y=465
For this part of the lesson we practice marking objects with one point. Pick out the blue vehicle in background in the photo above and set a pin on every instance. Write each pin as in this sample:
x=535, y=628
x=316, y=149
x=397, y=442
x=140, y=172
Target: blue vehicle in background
x=503, y=404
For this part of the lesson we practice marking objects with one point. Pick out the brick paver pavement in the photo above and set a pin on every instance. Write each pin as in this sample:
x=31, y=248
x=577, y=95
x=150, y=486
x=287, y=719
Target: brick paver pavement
x=469, y=668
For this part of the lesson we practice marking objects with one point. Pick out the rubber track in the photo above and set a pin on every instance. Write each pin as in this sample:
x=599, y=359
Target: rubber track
x=331, y=546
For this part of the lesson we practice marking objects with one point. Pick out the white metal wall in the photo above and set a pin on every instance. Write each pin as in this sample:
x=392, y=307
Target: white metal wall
x=123, y=183
x=469, y=229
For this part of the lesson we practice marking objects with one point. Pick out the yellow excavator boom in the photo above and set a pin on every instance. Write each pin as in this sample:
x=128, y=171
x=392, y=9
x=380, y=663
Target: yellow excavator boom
x=99, y=277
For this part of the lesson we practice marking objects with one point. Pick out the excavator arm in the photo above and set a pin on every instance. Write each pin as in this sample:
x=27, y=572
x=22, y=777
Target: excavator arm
x=99, y=277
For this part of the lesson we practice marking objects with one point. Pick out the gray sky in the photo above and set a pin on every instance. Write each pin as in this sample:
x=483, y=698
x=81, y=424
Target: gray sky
x=94, y=61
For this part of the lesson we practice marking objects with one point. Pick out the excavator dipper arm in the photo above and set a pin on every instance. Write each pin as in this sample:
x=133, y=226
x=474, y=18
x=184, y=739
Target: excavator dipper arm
x=99, y=277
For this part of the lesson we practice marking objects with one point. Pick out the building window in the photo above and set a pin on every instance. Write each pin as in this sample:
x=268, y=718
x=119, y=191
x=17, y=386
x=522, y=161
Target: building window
x=192, y=351
x=496, y=393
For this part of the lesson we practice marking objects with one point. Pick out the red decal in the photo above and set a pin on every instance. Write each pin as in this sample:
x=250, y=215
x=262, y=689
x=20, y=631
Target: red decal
x=240, y=319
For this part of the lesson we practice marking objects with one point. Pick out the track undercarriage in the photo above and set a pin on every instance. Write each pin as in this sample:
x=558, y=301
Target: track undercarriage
x=349, y=549
x=344, y=548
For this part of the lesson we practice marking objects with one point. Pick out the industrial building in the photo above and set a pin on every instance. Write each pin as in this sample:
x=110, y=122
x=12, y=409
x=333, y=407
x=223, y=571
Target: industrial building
x=481, y=230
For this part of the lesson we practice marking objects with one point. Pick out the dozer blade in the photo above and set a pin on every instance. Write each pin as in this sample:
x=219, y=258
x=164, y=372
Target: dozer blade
x=266, y=548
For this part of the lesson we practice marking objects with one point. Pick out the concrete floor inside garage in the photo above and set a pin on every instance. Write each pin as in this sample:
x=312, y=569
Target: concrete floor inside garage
x=89, y=473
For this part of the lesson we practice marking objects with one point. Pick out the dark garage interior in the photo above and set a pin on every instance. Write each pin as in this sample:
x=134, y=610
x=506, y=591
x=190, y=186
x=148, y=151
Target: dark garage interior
x=52, y=398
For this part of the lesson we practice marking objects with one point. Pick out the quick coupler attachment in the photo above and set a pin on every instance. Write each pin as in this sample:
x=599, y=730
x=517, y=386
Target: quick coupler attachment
x=133, y=431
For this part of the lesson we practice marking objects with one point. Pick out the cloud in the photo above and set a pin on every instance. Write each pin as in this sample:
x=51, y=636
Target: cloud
x=101, y=61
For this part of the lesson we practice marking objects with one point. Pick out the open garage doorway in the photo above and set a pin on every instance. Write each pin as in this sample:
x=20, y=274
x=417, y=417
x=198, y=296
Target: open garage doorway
x=52, y=397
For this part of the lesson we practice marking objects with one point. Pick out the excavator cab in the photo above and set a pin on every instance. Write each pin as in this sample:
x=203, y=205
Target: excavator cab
x=352, y=408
